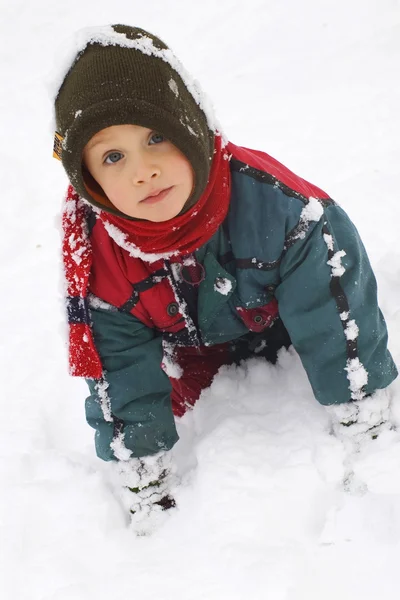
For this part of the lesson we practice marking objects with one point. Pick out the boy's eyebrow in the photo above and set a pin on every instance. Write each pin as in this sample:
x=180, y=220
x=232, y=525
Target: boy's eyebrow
x=91, y=144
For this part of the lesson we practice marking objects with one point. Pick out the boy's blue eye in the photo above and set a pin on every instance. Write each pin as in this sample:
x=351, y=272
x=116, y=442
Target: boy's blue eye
x=156, y=138
x=113, y=158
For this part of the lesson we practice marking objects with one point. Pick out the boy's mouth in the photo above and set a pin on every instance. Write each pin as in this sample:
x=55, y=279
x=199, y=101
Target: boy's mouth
x=156, y=196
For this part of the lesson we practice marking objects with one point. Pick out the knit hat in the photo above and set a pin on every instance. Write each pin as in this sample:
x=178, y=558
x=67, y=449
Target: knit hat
x=125, y=75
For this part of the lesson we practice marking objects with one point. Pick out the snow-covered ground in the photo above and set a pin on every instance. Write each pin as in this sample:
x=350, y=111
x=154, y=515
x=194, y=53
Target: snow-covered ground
x=262, y=513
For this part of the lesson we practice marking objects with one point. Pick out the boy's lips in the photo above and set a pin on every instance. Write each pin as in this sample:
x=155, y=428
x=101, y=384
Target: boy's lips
x=156, y=196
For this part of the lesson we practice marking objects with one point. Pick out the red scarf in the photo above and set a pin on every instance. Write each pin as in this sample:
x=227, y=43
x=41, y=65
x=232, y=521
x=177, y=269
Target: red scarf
x=140, y=238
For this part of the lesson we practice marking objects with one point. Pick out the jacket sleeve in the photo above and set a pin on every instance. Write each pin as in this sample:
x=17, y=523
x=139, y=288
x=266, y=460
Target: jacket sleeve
x=328, y=302
x=139, y=409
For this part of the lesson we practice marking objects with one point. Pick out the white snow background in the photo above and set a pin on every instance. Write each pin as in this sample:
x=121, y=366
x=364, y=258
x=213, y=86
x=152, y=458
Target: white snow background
x=262, y=513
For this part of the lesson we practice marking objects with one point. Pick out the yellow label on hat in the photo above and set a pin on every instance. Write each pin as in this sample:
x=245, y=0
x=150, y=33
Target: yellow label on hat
x=57, y=148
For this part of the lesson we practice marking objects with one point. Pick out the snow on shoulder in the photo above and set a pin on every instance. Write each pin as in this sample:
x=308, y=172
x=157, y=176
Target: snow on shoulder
x=312, y=211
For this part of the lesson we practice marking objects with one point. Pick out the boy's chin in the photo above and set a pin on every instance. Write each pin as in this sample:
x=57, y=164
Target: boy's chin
x=160, y=219
x=150, y=218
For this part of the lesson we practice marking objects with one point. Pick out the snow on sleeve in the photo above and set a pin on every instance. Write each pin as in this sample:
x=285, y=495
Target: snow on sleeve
x=336, y=263
x=356, y=372
x=101, y=390
x=312, y=211
x=121, y=452
x=351, y=331
x=117, y=445
x=328, y=241
x=358, y=378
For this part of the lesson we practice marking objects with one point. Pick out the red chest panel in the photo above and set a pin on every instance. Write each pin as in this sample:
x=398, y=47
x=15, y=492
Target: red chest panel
x=129, y=283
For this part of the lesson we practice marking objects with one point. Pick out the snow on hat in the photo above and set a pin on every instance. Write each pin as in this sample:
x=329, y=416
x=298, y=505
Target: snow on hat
x=125, y=75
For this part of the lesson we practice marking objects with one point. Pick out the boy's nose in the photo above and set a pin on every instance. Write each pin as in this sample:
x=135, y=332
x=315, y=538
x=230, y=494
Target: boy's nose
x=143, y=173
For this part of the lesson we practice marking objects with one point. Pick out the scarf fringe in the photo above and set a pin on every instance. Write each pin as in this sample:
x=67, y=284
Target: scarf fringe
x=84, y=360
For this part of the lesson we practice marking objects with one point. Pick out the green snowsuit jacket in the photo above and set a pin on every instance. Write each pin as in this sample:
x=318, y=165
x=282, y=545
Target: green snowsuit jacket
x=286, y=253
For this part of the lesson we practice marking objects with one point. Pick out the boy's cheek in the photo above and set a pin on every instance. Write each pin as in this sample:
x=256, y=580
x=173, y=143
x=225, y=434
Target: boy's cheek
x=116, y=195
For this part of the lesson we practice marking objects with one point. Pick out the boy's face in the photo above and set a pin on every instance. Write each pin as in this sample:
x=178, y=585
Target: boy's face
x=144, y=175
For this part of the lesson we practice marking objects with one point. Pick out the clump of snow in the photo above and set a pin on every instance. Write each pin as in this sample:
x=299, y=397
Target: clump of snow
x=124, y=473
x=376, y=408
x=189, y=261
x=313, y=210
x=358, y=378
x=336, y=263
x=117, y=445
x=255, y=261
x=101, y=388
x=223, y=286
x=351, y=331
x=140, y=472
x=329, y=241
x=356, y=423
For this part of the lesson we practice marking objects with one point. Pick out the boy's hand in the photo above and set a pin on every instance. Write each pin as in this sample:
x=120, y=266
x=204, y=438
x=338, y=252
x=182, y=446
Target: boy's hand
x=364, y=419
x=154, y=493
x=357, y=424
x=145, y=485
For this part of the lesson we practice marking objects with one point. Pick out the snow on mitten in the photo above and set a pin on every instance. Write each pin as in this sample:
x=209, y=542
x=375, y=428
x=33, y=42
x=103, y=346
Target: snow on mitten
x=145, y=485
x=362, y=419
x=154, y=493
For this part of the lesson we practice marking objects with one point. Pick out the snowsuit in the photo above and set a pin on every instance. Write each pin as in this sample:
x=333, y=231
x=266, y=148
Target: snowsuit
x=286, y=266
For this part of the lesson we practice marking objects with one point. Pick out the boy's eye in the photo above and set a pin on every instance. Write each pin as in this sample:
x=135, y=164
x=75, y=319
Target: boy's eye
x=156, y=138
x=113, y=158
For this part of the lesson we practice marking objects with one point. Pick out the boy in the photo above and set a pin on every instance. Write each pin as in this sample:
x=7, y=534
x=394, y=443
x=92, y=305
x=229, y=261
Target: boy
x=183, y=253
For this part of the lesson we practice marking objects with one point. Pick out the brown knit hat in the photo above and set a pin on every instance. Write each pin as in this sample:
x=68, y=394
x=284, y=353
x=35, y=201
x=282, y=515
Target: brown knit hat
x=125, y=75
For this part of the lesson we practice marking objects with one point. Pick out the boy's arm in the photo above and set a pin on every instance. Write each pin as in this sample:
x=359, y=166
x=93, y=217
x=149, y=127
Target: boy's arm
x=138, y=391
x=331, y=311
